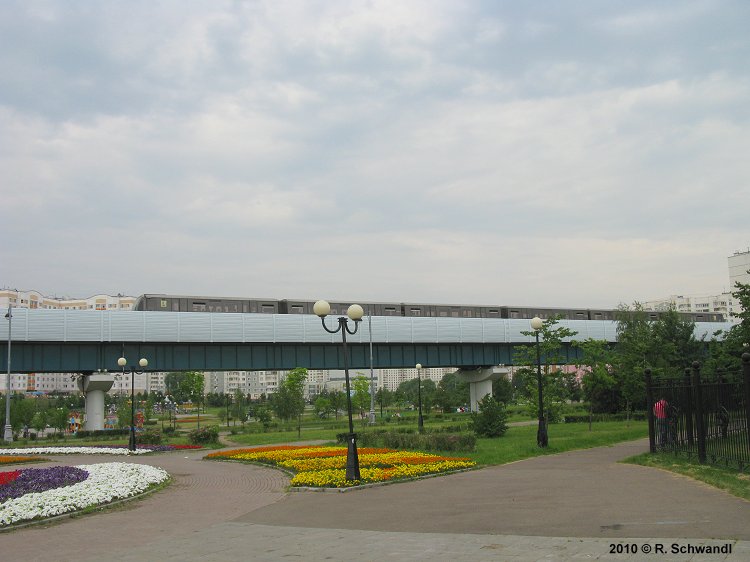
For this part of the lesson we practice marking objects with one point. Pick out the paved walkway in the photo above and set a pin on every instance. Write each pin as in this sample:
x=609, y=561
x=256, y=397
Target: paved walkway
x=573, y=505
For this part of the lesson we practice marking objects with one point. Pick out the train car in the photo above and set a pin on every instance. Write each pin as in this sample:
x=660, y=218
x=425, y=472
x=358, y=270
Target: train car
x=175, y=303
x=178, y=303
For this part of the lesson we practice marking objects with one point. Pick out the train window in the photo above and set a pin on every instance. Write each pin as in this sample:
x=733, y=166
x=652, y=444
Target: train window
x=416, y=311
x=296, y=309
x=514, y=314
x=493, y=312
x=267, y=308
x=199, y=306
x=579, y=314
x=454, y=313
x=390, y=311
x=597, y=315
x=468, y=314
x=175, y=306
x=443, y=313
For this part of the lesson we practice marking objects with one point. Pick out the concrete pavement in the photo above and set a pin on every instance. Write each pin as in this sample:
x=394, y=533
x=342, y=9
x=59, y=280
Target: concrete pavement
x=577, y=505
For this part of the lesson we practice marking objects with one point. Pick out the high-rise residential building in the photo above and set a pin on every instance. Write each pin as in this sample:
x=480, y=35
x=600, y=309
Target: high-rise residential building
x=724, y=302
x=739, y=265
x=390, y=379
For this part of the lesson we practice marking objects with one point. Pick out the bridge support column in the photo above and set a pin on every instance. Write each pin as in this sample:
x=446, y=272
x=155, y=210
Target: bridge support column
x=480, y=382
x=94, y=385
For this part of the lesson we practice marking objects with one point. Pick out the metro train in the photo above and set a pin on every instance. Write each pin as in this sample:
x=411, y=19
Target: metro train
x=178, y=303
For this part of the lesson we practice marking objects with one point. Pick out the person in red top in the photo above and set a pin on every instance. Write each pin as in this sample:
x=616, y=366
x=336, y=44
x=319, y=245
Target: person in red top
x=660, y=413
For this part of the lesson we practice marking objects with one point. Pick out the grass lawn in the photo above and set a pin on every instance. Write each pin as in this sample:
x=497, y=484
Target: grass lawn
x=520, y=442
x=724, y=478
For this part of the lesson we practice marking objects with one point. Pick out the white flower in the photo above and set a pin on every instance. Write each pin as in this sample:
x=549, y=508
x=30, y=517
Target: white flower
x=106, y=482
x=73, y=451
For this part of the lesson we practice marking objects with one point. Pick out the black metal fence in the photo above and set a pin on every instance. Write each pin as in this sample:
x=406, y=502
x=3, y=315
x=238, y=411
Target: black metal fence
x=707, y=420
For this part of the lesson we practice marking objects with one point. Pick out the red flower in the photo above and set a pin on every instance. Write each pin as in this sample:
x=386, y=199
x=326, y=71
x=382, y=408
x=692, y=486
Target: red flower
x=9, y=476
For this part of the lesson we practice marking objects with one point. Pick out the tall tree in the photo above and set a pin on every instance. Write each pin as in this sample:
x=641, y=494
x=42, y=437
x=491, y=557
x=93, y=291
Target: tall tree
x=554, y=381
x=410, y=391
x=289, y=400
x=596, y=380
x=361, y=397
x=338, y=401
x=451, y=392
x=635, y=352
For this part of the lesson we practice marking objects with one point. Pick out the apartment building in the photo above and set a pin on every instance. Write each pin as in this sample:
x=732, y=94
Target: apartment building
x=724, y=303
x=62, y=382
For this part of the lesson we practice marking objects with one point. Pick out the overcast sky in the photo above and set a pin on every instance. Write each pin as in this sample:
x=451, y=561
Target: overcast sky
x=530, y=153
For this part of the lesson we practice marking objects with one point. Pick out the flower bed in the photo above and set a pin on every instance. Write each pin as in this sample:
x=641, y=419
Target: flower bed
x=98, y=450
x=326, y=466
x=99, y=484
x=16, y=459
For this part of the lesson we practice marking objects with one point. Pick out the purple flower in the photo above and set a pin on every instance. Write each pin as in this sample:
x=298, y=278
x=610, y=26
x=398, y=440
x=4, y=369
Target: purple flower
x=41, y=479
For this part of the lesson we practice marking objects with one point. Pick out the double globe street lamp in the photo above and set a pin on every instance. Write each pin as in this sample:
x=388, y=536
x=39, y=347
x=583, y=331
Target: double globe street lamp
x=541, y=434
x=355, y=313
x=142, y=363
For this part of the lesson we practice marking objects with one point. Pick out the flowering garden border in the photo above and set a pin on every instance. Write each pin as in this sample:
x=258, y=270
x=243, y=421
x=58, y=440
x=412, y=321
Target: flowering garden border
x=322, y=467
x=106, y=483
x=99, y=450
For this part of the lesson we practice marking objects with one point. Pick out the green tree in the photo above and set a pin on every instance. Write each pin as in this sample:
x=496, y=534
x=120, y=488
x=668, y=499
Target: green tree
x=491, y=420
x=410, y=390
x=384, y=398
x=58, y=418
x=289, y=400
x=263, y=416
x=667, y=345
x=338, y=401
x=502, y=390
x=451, y=392
x=361, y=397
x=124, y=415
x=635, y=352
x=39, y=421
x=322, y=406
x=555, y=385
x=595, y=365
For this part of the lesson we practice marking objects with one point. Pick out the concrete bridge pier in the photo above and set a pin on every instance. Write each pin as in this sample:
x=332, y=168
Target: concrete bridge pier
x=94, y=386
x=480, y=382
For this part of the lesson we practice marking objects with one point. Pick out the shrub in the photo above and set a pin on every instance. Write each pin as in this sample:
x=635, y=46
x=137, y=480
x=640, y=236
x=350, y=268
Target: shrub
x=204, y=435
x=491, y=420
x=412, y=440
x=149, y=436
x=100, y=433
x=584, y=418
x=169, y=430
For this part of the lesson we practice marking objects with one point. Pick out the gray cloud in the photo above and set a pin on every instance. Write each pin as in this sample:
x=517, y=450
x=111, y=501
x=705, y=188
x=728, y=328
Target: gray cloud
x=578, y=155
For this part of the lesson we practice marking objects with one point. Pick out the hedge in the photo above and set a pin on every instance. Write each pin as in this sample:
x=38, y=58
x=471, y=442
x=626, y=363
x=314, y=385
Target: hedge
x=584, y=418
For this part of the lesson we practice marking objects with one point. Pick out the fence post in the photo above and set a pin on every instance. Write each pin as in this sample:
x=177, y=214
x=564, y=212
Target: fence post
x=650, y=411
x=746, y=384
x=699, y=422
x=688, y=408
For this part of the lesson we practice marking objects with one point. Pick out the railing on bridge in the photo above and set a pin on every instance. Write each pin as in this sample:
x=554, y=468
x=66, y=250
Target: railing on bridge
x=708, y=420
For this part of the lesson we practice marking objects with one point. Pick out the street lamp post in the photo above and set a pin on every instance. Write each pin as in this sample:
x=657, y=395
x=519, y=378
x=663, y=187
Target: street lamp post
x=355, y=312
x=541, y=434
x=372, y=372
x=420, y=420
x=142, y=363
x=8, y=436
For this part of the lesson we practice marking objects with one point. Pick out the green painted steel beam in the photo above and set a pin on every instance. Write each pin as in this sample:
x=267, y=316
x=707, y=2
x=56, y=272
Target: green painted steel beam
x=59, y=357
